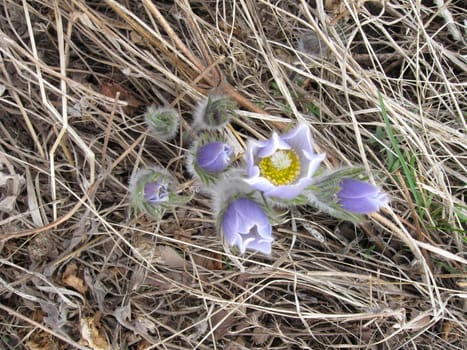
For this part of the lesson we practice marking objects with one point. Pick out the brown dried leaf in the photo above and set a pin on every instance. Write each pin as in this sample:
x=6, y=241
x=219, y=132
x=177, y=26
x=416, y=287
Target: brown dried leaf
x=91, y=335
x=167, y=256
x=42, y=341
x=42, y=248
x=113, y=89
x=210, y=261
x=223, y=322
x=71, y=279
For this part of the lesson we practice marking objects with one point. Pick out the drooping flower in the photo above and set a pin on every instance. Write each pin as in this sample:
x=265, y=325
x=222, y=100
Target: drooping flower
x=162, y=122
x=208, y=159
x=151, y=190
x=361, y=197
x=245, y=224
x=213, y=112
x=283, y=166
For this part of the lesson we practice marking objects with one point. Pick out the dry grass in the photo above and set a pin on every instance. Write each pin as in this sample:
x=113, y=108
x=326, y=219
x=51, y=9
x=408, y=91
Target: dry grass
x=77, y=271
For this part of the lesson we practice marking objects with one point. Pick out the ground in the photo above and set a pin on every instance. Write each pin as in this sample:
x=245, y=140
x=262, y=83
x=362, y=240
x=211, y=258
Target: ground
x=380, y=83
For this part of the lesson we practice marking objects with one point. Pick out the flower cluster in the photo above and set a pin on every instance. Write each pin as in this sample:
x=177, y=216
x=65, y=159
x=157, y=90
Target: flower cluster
x=280, y=171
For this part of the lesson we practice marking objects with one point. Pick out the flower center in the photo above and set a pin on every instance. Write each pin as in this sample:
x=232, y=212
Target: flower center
x=281, y=168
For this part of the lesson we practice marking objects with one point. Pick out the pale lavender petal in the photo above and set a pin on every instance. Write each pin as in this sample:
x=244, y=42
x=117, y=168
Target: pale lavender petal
x=249, y=214
x=361, y=197
x=214, y=157
x=268, y=147
x=289, y=192
x=246, y=225
x=300, y=138
x=352, y=188
x=260, y=183
x=156, y=192
x=313, y=163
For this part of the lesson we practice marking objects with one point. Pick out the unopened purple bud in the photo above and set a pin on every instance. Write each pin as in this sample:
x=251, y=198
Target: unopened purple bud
x=156, y=192
x=361, y=197
x=246, y=225
x=214, y=157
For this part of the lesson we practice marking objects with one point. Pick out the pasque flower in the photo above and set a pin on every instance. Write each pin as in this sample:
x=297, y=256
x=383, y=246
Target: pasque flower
x=360, y=197
x=162, y=122
x=245, y=224
x=283, y=166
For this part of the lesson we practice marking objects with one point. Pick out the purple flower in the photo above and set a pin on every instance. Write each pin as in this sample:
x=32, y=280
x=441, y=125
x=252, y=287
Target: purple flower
x=214, y=157
x=283, y=166
x=156, y=192
x=360, y=197
x=246, y=225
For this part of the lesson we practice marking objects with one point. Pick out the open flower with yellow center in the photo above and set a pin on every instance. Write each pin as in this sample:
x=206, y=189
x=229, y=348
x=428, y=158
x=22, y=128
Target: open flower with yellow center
x=283, y=166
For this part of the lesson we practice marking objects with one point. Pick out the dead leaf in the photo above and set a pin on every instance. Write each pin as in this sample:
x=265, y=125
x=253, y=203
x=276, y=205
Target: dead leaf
x=91, y=335
x=222, y=322
x=338, y=8
x=210, y=261
x=42, y=341
x=42, y=247
x=169, y=257
x=10, y=188
x=113, y=90
x=147, y=250
x=137, y=39
x=71, y=279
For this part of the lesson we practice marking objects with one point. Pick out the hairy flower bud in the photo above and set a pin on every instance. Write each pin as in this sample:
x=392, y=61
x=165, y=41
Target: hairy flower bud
x=208, y=159
x=162, y=122
x=150, y=190
x=214, y=157
x=213, y=112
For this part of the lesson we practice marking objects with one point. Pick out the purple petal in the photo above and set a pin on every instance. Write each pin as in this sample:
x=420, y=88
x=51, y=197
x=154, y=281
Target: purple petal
x=214, y=157
x=259, y=183
x=361, y=197
x=246, y=225
x=268, y=147
x=351, y=188
x=155, y=192
x=300, y=138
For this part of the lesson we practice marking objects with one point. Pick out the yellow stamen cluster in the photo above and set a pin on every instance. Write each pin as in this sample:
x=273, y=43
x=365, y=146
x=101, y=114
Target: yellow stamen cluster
x=281, y=168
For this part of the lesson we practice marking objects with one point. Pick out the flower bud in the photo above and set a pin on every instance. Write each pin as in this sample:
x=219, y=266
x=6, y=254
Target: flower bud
x=360, y=197
x=213, y=112
x=162, y=122
x=150, y=190
x=214, y=157
x=208, y=159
